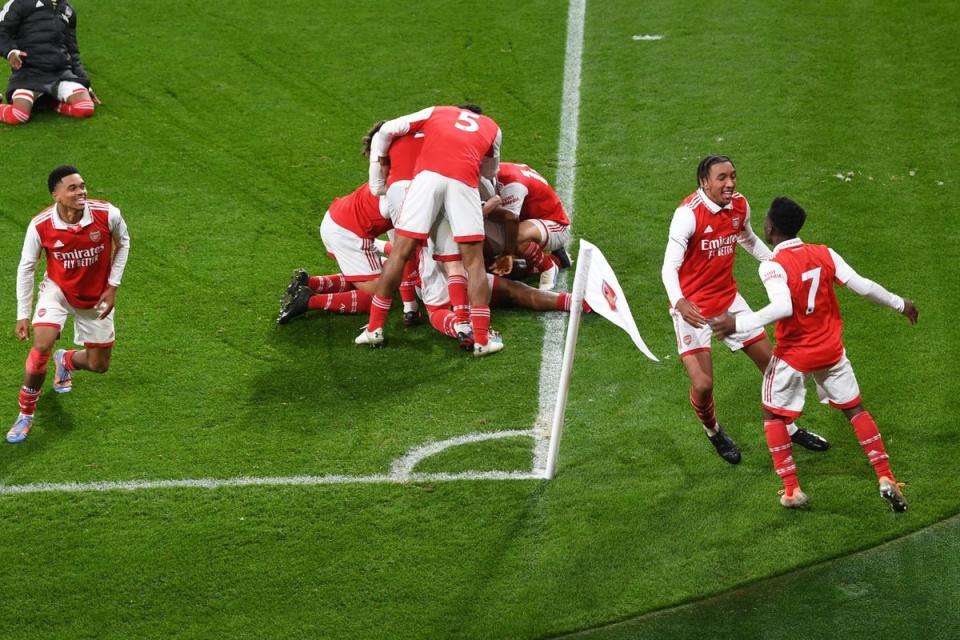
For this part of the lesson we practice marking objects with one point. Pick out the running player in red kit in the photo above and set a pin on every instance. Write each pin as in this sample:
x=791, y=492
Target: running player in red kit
x=86, y=245
x=799, y=279
x=698, y=276
x=458, y=140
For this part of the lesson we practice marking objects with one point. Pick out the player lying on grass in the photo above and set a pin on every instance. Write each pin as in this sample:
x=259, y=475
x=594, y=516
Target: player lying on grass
x=799, y=279
x=348, y=230
x=86, y=246
x=530, y=223
x=433, y=292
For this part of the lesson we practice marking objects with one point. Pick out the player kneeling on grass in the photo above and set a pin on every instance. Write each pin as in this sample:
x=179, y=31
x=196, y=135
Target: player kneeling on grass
x=799, y=279
x=86, y=245
x=39, y=41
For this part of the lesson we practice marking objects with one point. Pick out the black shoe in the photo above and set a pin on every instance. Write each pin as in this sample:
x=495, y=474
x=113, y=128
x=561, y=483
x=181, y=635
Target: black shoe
x=466, y=340
x=411, y=318
x=300, y=278
x=726, y=447
x=810, y=440
x=293, y=306
x=520, y=270
x=563, y=257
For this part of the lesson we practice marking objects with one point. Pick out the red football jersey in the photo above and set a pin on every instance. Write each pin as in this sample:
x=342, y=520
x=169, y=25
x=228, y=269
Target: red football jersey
x=706, y=275
x=360, y=212
x=539, y=201
x=404, y=153
x=79, y=257
x=811, y=338
x=456, y=142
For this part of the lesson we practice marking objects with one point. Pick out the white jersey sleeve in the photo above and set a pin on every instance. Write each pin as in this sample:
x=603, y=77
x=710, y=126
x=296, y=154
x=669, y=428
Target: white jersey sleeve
x=682, y=226
x=29, y=258
x=864, y=286
x=380, y=145
x=118, y=229
x=491, y=162
x=751, y=241
x=778, y=291
x=513, y=195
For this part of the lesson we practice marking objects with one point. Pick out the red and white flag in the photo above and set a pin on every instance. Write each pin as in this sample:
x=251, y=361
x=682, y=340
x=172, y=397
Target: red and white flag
x=605, y=297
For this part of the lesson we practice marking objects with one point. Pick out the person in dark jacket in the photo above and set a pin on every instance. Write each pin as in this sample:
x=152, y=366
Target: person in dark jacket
x=39, y=40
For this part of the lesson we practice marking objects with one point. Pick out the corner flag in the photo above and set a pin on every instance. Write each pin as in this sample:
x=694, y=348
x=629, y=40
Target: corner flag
x=605, y=296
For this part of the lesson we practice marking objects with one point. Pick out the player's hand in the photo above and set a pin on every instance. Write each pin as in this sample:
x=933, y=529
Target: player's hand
x=690, y=313
x=15, y=58
x=93, y=96
x=491, y=204
x=723, y=325
x=23, y=329
x=910, y=310
x=502, y=265
x=107, y=301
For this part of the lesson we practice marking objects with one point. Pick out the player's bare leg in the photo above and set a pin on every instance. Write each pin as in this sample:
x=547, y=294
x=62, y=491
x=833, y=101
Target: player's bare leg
x=386, y=284
x=699, y=366
x=521, y=295
x=35, y=372
x=760, y=352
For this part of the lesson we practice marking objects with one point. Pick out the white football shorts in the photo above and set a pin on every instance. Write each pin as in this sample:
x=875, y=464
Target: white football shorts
x=785, y=389
x=691, y=339
x=357, y=257
x=88, y=330
x=553, y=235
x=432, y=196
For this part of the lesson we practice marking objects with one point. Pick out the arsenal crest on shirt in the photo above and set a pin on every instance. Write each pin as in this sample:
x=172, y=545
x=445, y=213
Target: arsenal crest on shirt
x=95, y=236
x=736, y=222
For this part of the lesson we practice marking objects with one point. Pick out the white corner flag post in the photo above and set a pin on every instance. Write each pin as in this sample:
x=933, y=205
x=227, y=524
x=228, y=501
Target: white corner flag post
x=570, y=347
x=594, y=279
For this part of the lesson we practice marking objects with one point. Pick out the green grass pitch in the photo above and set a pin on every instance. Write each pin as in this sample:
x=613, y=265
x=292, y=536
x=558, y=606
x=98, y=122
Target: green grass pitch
x=225, y=132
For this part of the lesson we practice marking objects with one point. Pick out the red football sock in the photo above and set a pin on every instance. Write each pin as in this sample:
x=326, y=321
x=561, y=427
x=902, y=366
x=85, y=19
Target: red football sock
x=379, y=309
x=28, y=400
x=78, y=109
x=781, y=450
x=37, y=362
x=12, y=114
x=537, y=260
x=563, y=301
x=872, y=443
x=480, y=319
x=705, y=411
x=345, y=302
x=411, y=274
x=444, y=320
x=68, y=359
x=334, y=283
x=457, y=288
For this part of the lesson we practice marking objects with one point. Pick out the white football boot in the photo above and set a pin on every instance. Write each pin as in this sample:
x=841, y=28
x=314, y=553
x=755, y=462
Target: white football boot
x=548, y=278
x=372, y=338
x=494, y=344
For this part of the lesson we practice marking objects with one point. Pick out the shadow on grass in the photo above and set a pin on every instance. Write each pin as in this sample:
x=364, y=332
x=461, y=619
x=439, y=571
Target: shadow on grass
x=907, y=588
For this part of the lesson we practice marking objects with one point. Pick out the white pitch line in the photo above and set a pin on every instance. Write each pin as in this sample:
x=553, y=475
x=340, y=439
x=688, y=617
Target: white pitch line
x=401, y=470
x=554, y=323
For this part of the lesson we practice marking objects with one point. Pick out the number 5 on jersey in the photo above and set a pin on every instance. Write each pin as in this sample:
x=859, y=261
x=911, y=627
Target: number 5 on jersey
x=467, y=121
